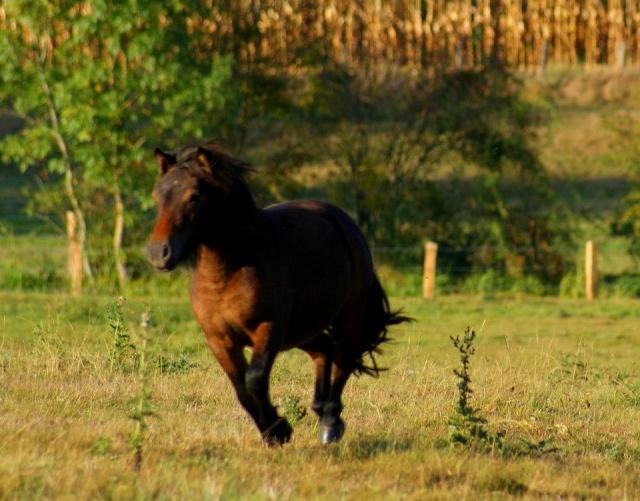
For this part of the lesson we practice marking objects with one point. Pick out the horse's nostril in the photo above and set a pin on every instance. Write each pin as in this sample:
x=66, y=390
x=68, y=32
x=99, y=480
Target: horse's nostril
x=166, y=252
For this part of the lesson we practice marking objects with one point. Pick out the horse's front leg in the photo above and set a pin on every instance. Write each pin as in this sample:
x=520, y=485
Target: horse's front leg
x=266, y=344
x=234, y=364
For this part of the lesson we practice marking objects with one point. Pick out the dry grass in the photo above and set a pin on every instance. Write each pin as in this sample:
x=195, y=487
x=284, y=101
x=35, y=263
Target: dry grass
x=582, y=144
x=558, y=378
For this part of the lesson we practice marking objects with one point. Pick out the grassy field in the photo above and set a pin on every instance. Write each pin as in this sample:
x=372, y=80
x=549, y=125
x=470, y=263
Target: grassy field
x=557, y=379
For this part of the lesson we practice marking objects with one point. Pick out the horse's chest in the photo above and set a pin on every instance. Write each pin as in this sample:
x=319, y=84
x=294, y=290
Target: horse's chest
x=223, y=308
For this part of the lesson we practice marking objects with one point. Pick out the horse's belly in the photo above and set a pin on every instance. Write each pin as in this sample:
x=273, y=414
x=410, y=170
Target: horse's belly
x=317, y=306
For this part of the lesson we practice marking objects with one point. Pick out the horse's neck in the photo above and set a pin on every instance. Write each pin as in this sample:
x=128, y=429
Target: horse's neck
x=224, y=253
x=211, y=267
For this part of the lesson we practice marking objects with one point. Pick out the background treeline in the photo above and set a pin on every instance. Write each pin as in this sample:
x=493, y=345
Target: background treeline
x=410, y=115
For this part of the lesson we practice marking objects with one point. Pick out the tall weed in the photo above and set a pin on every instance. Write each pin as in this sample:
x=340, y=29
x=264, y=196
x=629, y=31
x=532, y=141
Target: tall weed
x=143, y=403
x=467, y=426
x=124, y=354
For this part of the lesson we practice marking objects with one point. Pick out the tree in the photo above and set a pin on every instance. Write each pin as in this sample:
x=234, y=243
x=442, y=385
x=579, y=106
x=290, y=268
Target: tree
x=376, y=133
x=392, y=133
x=95, y=82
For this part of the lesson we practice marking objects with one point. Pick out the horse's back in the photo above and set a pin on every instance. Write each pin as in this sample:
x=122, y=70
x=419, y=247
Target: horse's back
x=320, y=229
x=327, y=255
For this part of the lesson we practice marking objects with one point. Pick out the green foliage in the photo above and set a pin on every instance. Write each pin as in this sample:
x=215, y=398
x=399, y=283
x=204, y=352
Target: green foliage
x=46, y=278
x=387, y=131
x=572, y=285
x=627, y=285
x=626, y=151
x=170, y=364
x=95, y=87
x=124, y=354
x=487, y=119
x=23, y=265
x=101, y=446
x=511, y=225
x=628, y=222
x=293, y=411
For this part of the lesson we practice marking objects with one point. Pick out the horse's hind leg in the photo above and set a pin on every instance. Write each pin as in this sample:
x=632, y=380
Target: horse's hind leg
x=345, y=332
x=321, y=352
x=331, y=424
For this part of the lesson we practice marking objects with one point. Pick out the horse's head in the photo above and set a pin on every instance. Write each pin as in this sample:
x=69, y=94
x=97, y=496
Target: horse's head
x=192, y=181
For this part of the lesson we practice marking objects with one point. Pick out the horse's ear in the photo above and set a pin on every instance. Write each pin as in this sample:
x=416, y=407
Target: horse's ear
x=202, y=158
x=164, y=160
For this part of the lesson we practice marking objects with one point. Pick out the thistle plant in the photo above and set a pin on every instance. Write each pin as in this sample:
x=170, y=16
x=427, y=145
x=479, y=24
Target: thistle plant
x=123, y=351
x=467, y=426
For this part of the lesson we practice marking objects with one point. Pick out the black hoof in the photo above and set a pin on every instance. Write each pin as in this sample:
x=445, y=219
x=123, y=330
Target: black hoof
x=331, y=434
x=278, y=433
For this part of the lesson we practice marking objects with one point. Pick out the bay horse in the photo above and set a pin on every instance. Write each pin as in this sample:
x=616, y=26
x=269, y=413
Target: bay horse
x=293, y=275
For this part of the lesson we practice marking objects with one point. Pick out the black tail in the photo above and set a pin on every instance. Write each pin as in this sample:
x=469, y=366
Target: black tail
x=377, y=318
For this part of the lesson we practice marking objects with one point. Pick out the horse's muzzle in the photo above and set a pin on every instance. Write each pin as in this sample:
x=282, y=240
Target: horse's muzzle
x=160, y=255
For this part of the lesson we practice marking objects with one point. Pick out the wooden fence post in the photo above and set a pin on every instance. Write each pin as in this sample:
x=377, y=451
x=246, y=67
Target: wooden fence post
x=74, y=261
x=591, y=270
x=429, y=283
x=620, y=54
x=544, y=53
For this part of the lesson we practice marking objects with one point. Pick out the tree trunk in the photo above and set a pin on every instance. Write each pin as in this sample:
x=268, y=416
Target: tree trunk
x=121, y=270
x=74, y=258
x=80, y=235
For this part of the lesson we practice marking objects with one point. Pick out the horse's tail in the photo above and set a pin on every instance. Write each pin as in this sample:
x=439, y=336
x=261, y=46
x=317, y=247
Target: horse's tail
x=378, y=317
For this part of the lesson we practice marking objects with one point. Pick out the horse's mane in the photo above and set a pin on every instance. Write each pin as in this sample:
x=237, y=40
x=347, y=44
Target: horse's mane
x=223, y=170
x=227, y=175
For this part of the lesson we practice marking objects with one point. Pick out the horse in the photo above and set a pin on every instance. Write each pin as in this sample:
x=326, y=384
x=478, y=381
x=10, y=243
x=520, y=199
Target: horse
x=298, y=274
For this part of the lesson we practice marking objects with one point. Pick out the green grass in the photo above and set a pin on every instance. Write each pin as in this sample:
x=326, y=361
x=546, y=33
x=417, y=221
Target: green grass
x=558, y=377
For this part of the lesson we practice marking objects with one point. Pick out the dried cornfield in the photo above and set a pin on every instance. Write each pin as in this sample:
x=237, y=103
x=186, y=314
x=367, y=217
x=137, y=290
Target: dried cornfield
x=291, y=34
x=422, y=33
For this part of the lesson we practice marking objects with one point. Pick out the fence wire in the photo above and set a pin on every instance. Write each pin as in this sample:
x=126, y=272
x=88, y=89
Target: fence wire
x=33, y=257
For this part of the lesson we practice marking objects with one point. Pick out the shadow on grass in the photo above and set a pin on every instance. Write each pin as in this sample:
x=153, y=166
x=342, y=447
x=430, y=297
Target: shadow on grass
x=363, y=448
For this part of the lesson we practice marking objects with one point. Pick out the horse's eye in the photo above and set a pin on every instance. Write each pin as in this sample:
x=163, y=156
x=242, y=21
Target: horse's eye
x=194, y=198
